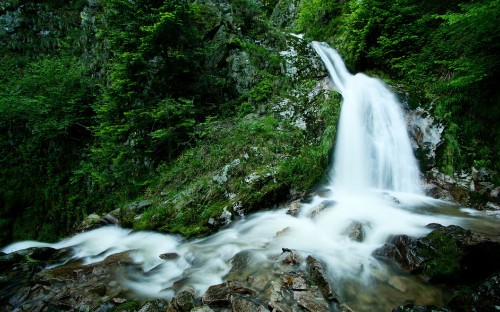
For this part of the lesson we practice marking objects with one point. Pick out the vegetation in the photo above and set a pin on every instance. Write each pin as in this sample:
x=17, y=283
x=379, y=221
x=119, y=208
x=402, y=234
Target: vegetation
x=106, y=101
x=445, y=52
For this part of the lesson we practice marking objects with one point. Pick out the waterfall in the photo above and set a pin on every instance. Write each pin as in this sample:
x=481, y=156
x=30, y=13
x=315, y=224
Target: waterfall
x=373, y=148
x=372, y=152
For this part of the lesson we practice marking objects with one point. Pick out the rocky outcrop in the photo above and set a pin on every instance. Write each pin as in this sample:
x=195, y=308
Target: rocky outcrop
x=29, y=284
x=447, y=254
x=455, y=257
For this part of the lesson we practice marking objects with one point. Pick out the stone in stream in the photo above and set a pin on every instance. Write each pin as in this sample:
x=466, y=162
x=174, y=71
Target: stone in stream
x=184, y=301
x=239, y=304
x=169, y=256
x=448, y=254
x=355, y=231
x=318, y=275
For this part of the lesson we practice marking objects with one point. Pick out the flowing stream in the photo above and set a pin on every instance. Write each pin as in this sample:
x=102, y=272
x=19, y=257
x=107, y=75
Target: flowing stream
x=374, y=186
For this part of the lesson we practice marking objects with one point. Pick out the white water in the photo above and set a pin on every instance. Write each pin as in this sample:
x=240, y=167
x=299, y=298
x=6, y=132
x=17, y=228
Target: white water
x=373, y=149
x=372, y=154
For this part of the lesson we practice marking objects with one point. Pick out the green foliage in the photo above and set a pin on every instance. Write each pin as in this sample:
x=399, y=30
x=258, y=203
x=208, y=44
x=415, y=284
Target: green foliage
x=445, y=52
x=441, y=254
x=44, y=120
x=242, y=163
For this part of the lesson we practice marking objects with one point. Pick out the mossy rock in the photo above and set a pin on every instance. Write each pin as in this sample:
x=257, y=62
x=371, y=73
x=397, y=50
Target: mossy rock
x=441, y=254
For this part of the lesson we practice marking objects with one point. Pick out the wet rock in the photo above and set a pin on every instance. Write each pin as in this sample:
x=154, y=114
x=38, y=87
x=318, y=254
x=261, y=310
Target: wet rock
x=291, y=257
x=184, y=301
x=293, y=209
x=344, y=308
x=170, y=256
x=244, y=305
x=241, y=261
x=318, y=275
x=355, y=231
x=482, y=297
x=321, y=207
x=404, y=250
x=398, y=283
x=418, y=308
x=299, y=283
x=311, y=302
x=448, y=254
x=202, y=309
x=217, y=295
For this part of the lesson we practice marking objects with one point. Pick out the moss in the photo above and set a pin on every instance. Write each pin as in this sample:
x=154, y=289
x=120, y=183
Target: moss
x=128, y=306
x=441, y=255
x=244, y=164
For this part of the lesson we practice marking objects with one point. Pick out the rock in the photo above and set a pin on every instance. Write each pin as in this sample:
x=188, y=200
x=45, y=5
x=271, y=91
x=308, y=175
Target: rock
x=217, y=295
x=482, y=297
x=399, y=283
x=448, y=254
x=292, y=257
x=344, y=308
x=202, y=309
x=285, y=13
x=418, y=308
x=170, y=256
x=404, y=250
x=311, y=302
x=355, y=231
x=184, y=301
x=293, y=209
x=299, y=283
x=318, y=275
x=241, y=261
x=322, y=206
x=244, y=305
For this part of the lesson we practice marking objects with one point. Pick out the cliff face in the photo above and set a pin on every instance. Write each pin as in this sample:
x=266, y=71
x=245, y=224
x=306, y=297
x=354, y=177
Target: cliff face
x=202, y=108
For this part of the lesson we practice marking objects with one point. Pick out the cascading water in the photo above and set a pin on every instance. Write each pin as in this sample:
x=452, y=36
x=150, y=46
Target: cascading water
x=373, y=149
x=372, y=152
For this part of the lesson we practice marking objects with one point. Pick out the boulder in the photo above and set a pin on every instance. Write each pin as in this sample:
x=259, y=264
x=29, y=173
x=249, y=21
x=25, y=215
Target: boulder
x=318, y=276
x=239, y=304
x=184, y=301
x=448, y=254
x=484, y=296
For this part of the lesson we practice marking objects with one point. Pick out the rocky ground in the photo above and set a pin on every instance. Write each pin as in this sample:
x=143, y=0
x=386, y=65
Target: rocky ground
x=463, y=261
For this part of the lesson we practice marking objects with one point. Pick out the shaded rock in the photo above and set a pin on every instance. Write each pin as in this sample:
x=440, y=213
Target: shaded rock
x=202, y=309
x=299, y=283
x=241, y=261
x=291, y=257
x=449, y=254
x=318, y=275
x=483, y=297
x=293, y=209
x=311, y=302
x=355, y=231
x=404, y=250
x=217, y=295
x=398, y=283
x=418, y=308
x=244, y=305
x=344, y=308
x=322, y=206
x=169, y=256
x=184, y=301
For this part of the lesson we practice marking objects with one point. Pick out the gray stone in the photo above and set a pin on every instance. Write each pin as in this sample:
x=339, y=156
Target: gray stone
x=244, y=305
x=355, y=231
x=217, y=295
x=184, y=301
x=318, y=275
x=310, y=302
x=170, y=256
